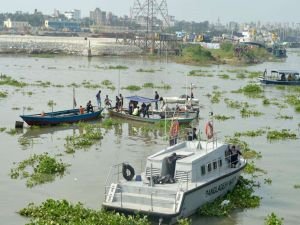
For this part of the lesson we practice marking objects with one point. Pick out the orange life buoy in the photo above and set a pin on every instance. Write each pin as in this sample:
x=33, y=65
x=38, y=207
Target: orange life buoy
x=209, y=130
x=174, y=129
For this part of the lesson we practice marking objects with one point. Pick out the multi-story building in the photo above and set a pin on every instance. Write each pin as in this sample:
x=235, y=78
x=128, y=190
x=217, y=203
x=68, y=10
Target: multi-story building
x=98, y=16
x=74, y=14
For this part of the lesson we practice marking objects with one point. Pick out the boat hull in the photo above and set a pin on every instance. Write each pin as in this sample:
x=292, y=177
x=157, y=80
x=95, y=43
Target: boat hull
x=59, y=117
x=181, y=119
x=279, y=82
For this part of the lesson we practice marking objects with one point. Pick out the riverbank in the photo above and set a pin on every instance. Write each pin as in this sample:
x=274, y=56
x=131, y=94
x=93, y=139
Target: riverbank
x=12, y=44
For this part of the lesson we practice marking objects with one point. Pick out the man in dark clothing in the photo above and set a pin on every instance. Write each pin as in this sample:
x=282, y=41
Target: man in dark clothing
x=156, y=97
x=234, y=154
x=89, y=107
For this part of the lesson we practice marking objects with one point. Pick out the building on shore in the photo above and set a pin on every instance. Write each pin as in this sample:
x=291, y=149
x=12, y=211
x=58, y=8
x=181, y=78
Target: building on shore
x=58, y=25
x=17, y=25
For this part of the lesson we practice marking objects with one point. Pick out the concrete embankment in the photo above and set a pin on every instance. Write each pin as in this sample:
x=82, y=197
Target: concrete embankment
x=64, y=45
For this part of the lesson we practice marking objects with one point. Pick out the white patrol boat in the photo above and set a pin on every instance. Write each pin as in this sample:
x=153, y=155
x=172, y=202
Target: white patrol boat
x=177, y=180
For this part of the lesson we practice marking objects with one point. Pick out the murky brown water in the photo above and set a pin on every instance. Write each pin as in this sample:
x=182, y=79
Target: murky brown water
x=128, y=141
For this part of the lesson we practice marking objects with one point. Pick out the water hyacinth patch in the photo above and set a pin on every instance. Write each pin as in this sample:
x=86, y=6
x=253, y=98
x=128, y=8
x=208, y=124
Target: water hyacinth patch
x=251, y=90
x=38, y=169
x=7, y=80
x=132, y=88
x=273, y=219
x=145, y=70
x=118, y=67
x=281, y=135
x=247, y=113
x=223, y=117
x=251, y=133
x=63, y=212
x=3, y=94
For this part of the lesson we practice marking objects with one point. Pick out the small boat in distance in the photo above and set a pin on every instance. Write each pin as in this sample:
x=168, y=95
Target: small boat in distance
x=59, y=117
x=176, y=182
x=281, y=77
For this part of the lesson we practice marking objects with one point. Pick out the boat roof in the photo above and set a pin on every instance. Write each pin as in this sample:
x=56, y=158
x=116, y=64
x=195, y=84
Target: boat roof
x=285, y=71
x=141, y=99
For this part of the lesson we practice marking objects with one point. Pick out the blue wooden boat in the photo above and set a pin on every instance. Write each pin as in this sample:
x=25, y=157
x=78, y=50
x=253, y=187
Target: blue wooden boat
x=59, y=117
x=281, y=77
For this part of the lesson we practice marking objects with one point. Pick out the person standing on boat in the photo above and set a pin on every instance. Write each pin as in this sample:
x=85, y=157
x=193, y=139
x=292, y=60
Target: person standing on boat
x=98, y=97
x=117, y=103
x=156, y=97
x=89, y=107
x=234, y=154
x=121, y=102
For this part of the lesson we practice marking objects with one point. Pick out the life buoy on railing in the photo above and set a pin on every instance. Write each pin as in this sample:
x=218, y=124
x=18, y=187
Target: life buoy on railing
x=127, y=171
x=209, y=130
x=174, y=130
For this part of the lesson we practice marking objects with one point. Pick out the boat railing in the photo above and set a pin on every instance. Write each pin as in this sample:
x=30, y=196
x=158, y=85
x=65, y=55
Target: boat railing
x=183, y=180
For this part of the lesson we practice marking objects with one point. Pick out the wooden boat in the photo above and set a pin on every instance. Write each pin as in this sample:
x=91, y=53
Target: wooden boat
x=154, y=116
x=176, y=182
x=59, y=117
x=281, y=77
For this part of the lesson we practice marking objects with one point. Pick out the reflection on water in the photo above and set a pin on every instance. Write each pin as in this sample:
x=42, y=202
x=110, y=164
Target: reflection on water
x=132, y=141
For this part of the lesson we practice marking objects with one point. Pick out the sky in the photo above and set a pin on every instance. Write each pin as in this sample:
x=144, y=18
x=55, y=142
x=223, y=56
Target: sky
x=189, y=10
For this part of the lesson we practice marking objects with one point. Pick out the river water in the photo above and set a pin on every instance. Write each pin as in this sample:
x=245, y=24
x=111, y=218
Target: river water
x=127, y=141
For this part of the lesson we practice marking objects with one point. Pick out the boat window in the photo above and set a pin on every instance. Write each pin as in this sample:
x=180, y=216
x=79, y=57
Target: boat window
x=215, y=165
x=209, y=167
x=203, y=170
x=220, y=162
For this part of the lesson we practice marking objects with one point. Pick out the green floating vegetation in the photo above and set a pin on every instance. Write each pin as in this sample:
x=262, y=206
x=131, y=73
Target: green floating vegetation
x=63, y=212
x=148, y=85
x=74, y=85
x=251, y=90
x=25, y=142
x=224, y=76
x=297, y=186
x=163, y=86
x=254, y=74
x=247, y=113
x=273, y=219
x=88, y=136
x=252, y=169
x=241, y=75
x=90, y=85
x=118, y=67
x=41, y=55
x=12, y=131
x=250, y=133
x=109, y=123
x=58, y=85
x=198, y=73
x=241, y=197
x=215, y=97
x=106, y=83
x=2, y=129
x=281, y=135
x=132, y=88
x=145, y=70
x=51, y=103
x=223, y=117
x=44, y=84
x=236, y=104
x=294, y=100
x=3, y=94
x=285, y=117
x=185, y=221
x=38, y=169
x=7, y=80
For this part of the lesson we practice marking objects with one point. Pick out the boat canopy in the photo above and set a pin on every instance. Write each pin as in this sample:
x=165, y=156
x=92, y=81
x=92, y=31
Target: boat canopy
x=141, y=99
x=285, y=71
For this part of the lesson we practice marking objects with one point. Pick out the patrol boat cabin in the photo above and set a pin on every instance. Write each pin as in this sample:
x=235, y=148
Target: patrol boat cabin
x=177, y=180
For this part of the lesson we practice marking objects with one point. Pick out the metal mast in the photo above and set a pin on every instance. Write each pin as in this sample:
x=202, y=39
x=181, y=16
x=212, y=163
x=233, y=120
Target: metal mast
x=150, y=10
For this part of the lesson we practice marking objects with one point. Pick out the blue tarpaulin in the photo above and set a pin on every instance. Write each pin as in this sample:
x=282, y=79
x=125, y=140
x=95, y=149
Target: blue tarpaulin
x=141, y=99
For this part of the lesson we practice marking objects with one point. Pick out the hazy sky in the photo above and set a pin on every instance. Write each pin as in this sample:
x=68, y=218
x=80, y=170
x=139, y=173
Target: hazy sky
x=190, y=10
